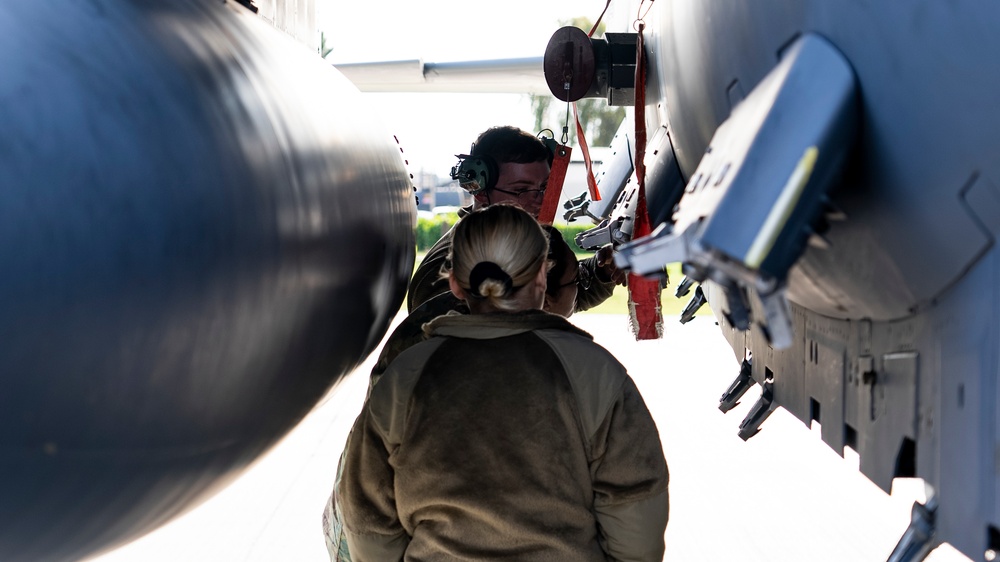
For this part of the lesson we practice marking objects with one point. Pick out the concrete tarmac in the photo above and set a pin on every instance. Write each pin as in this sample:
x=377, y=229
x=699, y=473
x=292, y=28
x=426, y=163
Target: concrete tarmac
x=781, y=496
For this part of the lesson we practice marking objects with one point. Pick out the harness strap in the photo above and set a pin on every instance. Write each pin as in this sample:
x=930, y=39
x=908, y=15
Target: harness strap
x=553, y=189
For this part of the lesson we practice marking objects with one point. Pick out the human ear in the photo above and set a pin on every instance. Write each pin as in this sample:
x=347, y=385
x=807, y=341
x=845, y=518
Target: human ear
x=542, y=276
x=541, y=282
x=456, y=289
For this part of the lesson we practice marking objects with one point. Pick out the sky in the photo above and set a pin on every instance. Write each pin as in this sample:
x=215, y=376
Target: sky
x=433, y=127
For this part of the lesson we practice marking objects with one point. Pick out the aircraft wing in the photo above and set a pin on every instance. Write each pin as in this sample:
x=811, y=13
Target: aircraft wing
x=497, y=76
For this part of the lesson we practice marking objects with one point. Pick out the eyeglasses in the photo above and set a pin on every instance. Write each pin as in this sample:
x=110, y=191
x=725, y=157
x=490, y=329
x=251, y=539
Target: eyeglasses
x=581, y=279
x=526, y=197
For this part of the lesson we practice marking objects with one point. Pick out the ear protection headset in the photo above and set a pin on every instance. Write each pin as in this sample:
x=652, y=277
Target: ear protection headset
x=477, y=174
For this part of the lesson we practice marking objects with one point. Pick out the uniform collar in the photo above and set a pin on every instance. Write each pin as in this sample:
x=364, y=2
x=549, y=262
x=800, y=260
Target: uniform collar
x=498, y=324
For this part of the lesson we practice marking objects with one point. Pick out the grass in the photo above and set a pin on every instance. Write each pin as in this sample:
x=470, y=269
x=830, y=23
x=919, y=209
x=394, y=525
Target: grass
x=670, y=306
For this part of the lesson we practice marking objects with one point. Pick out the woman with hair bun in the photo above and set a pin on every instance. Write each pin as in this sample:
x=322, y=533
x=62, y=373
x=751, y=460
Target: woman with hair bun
x=508, y=434
x=564, y=272
x=495, y=256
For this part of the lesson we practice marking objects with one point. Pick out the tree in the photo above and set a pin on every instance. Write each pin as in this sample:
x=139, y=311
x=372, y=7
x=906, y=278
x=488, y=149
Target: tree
x=599, y=120
x=323, y=50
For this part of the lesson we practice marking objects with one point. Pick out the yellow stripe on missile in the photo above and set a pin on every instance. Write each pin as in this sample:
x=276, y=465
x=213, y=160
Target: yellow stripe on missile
x=782, y=209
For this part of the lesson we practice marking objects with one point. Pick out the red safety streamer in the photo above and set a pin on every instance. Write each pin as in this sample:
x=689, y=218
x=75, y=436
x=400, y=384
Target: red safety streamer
x=595, y=194
x=598, y=22
x=644, y=294
x=553, y=189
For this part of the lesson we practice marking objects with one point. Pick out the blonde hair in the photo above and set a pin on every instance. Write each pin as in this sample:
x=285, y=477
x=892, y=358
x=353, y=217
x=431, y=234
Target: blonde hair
x=500, y=248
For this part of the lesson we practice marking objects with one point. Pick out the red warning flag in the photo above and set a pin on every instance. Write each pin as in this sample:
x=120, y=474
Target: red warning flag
x=643, y=294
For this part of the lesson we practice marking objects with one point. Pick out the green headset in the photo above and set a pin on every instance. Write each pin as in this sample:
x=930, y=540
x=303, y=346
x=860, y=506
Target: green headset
x=477, y=174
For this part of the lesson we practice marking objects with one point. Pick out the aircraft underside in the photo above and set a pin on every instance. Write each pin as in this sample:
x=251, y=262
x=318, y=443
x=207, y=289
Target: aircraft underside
x=828, y=175
x=913, y=397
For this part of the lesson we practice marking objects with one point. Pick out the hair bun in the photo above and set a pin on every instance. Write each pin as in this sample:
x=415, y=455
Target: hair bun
x=488, y=270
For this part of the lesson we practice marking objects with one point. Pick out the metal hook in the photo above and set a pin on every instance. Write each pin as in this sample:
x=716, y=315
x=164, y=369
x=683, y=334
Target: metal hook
x=641, y=18
x=565, y=132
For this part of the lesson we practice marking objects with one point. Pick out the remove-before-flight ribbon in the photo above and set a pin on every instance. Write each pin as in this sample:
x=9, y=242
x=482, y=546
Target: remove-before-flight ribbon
x=645, y=315
x=581, y=139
